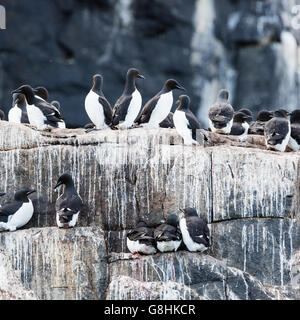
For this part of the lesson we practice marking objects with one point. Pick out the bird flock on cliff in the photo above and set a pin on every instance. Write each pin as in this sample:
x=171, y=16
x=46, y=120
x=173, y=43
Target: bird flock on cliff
x=31, y=106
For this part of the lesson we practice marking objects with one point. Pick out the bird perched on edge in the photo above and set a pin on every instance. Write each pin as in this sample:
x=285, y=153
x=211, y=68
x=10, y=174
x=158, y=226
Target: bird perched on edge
x=294, y=142
x=185, y=122
x=240, y=125
x=97, y=106
x=258, y=126
x=167, y=235
x=69, y=204
x=18, y=112
x=194, y=230
x=158, y=108
x=128, y=106
x=17, y=213
x=277, y=131
x=221, y=113
x=141, y=239
x=40, y=113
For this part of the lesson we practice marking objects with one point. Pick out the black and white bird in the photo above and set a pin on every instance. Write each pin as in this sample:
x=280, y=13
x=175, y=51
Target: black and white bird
x=248, y=113
x=69, y=204
x=141, y=239
x=258, y=126
x=277, y=131
x=240, y=125
x=41, y=93
x=168, y=122
x=158, y=107
x=40, y=113
x=185, y=122
x=18, y=112
x=194, y=230
x=294, y=142
x=221, y=113
x=97, y=106
x=167, y=235
x=128, y=106
x=17, y=213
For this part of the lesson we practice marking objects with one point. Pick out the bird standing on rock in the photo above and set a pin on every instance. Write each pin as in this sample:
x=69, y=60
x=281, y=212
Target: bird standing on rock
x=167, y=235
x=18, y=112
x=69, y=204
x=277, y=131
x=41, y=114
x=141, y=239
x=97, y=106
x=194, y=230
x=240, y=125
x=185, y=122
x=17, y=213
x=128, y=106
x=221, y=113
x=158, y=108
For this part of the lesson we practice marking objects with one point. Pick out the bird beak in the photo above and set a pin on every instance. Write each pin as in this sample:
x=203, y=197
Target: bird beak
x=141, y=76
x=30, y=192
x=58, y=184
x=180, y=88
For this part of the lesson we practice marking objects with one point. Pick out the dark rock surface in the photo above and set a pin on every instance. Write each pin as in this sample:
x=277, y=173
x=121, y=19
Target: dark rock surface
x=249, y=47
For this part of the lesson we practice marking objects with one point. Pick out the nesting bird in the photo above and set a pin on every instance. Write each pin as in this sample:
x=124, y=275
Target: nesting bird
x=97, y=106
x=240, y=125
x=294, y=142
x=18, y=112
x=167, y=235
x=194, y=230
x=158, y=108
x=40, y=113
x=221, y=113
x=128, y=106
x=69, y=204
x=185, y=122
x=277, y=131
x=17, y=213
x=141, y=239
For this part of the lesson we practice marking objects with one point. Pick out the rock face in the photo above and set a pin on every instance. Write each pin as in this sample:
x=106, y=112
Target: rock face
x=249, y=196
x=205, y=44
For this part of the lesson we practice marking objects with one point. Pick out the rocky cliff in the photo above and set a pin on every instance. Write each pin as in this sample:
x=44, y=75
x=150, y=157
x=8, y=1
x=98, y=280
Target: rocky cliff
x=248, y=195
x=248, y=47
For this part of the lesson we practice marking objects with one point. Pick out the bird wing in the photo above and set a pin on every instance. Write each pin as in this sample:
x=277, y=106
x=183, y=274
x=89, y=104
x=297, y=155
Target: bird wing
x=9, y=209
x=168, y=122
x=193, y=123
x=69, y=203
x=120, y=109
x=145, y=115
x=236, y=129
x=49, y=111
x=165, y=232
x=221, y=112
x=198, y=230
x=276, y=129
x=106, y=109
x=141, y=233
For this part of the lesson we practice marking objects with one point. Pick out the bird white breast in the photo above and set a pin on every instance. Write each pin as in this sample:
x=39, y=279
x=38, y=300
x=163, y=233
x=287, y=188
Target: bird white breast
x=225, y=130
x=181, y=125
x=21, y=217
x=14, y=115
x=95, y=111
x=133, y=110
x=281, y=146
x=167, y=246
x=188, y=241
x=293, y=144
x=36, y=117
x=244, y=136
x=70, y=224
x=136, y=246
x=161, y=110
